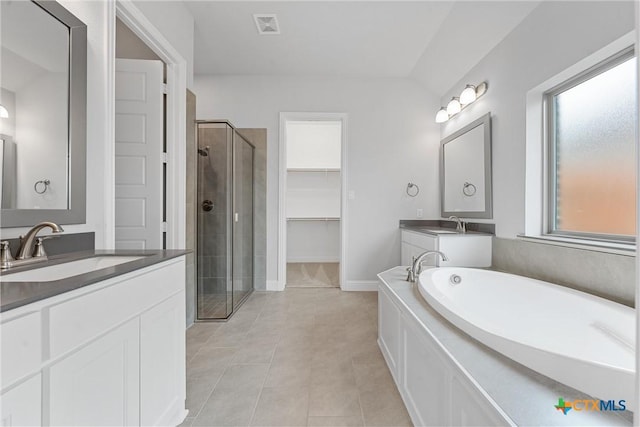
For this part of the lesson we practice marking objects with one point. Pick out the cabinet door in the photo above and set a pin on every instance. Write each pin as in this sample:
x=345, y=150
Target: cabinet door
x=98, y=385
x=21, y=406
x=413, y=244
x=409, y=252
x=162, y=363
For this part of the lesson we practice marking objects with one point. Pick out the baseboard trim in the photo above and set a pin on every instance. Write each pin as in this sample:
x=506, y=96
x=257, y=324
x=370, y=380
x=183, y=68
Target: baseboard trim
x=274, y=285
x=360, y=285
x=310, y=259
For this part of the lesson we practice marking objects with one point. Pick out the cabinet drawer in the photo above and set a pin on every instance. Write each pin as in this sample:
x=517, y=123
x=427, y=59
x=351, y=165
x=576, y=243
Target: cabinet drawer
x=421, y=240
x=76, y=321
x=21, y=347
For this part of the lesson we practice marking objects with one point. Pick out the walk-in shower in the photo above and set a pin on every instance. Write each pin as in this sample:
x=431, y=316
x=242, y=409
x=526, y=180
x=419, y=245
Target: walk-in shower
x=225, y=220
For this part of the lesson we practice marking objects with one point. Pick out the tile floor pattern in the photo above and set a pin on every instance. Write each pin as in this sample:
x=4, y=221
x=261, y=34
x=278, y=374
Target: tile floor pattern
x=313, y=275
x=302, y=357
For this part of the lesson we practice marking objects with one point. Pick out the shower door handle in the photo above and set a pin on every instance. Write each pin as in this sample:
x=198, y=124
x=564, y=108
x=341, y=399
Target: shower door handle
x=236, y=217
x=207, y=205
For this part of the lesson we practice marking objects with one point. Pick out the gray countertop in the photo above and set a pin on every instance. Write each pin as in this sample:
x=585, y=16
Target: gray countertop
x=526, y=396
x=17, y=294
x=432, y=226
x=440, y=231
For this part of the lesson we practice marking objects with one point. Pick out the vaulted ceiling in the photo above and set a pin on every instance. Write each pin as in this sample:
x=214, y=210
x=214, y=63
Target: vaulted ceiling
x=433, y=42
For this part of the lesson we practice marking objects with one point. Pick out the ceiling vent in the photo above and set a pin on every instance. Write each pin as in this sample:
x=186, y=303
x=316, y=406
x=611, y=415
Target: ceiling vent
x=266, y=23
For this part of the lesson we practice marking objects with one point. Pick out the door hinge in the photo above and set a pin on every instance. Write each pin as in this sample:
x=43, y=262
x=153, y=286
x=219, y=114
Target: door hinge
x=164, y=88
x=165, y=158
x=164, y=227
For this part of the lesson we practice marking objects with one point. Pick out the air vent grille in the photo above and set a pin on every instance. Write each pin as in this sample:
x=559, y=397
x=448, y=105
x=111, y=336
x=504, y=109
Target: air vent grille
x=266, y=23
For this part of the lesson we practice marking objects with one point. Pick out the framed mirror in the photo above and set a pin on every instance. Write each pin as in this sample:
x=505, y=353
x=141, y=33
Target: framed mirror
x=465, y=171
x=43, y=86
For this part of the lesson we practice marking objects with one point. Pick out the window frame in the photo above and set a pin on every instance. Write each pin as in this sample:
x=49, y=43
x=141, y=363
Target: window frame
x=549, y=204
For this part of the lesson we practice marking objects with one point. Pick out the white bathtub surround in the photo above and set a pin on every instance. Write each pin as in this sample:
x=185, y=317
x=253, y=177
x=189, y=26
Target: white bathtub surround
x=444, y=376
x=578, y=339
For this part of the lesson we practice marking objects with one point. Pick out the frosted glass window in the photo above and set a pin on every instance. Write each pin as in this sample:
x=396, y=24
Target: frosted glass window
x=592, y=153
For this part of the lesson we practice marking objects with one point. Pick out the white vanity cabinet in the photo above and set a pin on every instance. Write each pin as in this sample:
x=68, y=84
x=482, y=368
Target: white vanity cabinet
x=432, y=385
x=463, y=250
x=111, y=353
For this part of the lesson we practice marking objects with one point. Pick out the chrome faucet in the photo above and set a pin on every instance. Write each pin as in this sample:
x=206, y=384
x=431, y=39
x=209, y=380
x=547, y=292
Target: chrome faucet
x=27, y=242
x=461, y=226
x=416, y=266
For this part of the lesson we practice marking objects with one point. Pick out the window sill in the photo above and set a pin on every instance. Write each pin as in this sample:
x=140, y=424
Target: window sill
x=627, y=249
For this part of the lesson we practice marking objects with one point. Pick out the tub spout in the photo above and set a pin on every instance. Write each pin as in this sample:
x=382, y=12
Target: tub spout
x=416, y=267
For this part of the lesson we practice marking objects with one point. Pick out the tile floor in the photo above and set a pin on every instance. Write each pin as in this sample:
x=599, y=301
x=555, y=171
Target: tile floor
x=302, y=357
x=313, y=275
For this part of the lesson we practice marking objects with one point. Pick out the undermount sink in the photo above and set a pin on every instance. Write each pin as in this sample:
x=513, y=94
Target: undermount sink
x=68, y=269
x=440, y=231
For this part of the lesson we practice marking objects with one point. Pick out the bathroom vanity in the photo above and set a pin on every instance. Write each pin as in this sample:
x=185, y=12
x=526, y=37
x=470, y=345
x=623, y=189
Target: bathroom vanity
x=102, y=344
x=471, y=249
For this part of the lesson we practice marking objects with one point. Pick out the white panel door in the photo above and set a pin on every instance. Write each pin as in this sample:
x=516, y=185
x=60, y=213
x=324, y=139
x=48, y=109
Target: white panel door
x=138, y=154
x=99, y=384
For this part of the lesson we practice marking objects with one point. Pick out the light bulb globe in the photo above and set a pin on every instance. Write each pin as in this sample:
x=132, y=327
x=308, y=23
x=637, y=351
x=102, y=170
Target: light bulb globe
x=468, y=95
x=453, y=107
x=442, y=115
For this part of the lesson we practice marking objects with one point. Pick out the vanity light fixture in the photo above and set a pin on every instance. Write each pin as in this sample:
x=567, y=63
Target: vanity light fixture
x=4, y=113
x=468, y=96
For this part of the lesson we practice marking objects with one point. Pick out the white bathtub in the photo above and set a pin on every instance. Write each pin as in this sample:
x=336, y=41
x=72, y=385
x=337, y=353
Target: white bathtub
x=578, y=339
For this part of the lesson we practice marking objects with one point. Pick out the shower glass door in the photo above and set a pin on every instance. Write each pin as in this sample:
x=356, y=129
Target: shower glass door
x=243, y=178
x=225, y=220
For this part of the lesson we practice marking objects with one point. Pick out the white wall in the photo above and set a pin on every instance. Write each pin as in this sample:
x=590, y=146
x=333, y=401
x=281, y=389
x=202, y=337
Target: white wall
x=553, y=37
x=175, y=22
x=392, y=139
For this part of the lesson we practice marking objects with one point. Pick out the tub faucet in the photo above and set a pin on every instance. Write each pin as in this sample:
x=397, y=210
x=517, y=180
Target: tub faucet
x=27, y=242
x=461, y=226
x=416, y=267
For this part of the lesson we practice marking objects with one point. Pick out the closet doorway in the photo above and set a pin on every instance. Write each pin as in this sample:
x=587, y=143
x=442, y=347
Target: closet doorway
x=312, y=160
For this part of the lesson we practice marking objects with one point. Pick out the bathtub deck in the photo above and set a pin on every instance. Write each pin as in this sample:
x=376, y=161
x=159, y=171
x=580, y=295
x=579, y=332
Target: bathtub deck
x=527, y=397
